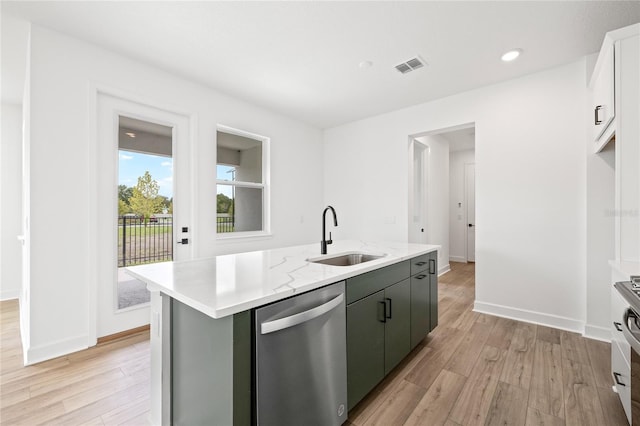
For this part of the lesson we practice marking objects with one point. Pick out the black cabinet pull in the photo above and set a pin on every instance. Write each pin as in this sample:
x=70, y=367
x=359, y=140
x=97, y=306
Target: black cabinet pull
x=388, y=300
x=420, y=263
x=617, y=325
x=616, y=377
x=419, y=277
x=596, y=118
x=432, y=266
x=384, y=310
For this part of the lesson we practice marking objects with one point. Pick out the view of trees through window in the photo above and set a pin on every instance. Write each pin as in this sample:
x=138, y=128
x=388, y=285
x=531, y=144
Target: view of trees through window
x=241, y=183
x=143, y=199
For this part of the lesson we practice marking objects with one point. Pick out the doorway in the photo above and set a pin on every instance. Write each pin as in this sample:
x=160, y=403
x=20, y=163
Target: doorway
x=442, y=192
x=143, y=204
x=470, y=211
x=418, y=188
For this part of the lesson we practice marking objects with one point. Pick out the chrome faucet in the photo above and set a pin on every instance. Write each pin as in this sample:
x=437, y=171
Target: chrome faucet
x=324, y=243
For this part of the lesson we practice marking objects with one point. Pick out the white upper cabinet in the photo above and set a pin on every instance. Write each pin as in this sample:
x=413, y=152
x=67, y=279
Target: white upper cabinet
x=603, y=97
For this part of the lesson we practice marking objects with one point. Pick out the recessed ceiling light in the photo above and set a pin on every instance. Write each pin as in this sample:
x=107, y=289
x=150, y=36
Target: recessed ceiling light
x=131, y=134
x=511, y=55
x=365, y=64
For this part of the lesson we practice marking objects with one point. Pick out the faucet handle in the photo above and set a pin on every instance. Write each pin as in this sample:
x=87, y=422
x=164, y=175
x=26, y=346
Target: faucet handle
x=330, y=241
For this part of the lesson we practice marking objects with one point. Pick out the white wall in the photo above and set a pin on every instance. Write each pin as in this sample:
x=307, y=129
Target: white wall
x=60, y=133
x=600, y=238
x=530, y=188
x=438, y=196
x=457, y=223
x=10, y=202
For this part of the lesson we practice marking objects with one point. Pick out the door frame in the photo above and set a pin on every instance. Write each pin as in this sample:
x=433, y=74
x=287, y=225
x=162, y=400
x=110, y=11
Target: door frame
x=184, y=131
x=413, y=141
x=466, y=211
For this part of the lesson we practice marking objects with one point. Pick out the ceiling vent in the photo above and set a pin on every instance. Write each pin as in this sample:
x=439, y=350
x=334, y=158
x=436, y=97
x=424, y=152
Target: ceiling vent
x=410, y=65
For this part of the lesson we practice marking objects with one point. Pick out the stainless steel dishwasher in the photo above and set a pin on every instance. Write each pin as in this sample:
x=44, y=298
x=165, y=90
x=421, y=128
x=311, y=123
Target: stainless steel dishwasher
x=301, y=361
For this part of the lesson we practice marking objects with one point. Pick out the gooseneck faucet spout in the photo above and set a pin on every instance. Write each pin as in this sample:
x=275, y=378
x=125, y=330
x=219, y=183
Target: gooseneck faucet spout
x=324, y=243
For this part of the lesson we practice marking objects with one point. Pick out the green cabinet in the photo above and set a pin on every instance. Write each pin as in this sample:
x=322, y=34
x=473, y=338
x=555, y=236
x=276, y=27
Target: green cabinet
x=389, y=311
x=420, y=308
x=397, y=340
x=365, y=346
x=377, y=337
x=424, y=296
x=433, y=287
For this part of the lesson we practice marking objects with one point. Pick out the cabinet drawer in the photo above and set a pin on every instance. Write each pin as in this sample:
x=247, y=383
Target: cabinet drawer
x=419, y=264
x=618, y=308
x=621, y=374
x=363, y=285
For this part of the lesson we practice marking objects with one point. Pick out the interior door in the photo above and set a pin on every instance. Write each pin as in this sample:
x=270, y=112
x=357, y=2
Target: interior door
x=418, y=193
x=470, y=195
x=111, y=316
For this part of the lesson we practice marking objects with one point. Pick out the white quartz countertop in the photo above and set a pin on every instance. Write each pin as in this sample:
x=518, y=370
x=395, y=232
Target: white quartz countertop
x=225, y=285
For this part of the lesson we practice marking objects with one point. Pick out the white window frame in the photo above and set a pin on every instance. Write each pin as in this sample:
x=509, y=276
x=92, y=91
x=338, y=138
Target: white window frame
x=265, y=185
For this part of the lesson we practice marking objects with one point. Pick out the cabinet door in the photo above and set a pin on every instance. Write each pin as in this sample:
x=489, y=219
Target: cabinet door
x=433, y=287
x=420, y=306
x=603, y=94
x=397, y=338
x=621, y=372
x=365, y=346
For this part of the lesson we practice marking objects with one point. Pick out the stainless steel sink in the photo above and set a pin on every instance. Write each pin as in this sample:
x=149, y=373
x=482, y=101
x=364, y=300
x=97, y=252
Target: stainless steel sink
x=346, y=259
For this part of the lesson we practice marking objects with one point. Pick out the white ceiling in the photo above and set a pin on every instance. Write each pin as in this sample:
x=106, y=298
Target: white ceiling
x=301, y=58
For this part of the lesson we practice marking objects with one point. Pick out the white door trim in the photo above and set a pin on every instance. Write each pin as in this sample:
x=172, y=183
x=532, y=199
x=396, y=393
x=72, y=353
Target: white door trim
x=186, y=134
x=466, y=212
x=411, y=235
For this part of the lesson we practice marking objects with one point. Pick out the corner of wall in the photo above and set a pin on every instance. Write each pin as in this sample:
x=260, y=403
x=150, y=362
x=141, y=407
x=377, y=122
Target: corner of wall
x=36, y=354
x=541, y=318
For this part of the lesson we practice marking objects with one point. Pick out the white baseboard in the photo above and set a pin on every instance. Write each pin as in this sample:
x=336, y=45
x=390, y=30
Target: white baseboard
x=9, y=294
x=49, y=351
x=458, y=259
x=598, y=333
x=555, y=321
x=444, y=269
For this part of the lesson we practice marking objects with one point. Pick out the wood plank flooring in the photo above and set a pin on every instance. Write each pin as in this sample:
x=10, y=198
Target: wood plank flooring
x=473, y=369
x=104, y=385
x=477, y=369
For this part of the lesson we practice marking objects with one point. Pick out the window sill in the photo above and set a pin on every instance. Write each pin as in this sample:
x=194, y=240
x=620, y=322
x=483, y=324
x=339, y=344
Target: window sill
x=243, y=236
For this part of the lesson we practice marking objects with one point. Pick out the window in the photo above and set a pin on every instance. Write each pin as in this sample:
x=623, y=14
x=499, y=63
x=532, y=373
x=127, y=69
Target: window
x=242, y=183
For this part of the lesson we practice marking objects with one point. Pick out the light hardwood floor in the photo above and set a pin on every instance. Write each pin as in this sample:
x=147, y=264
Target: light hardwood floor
x=473, y=369
x=477, y=369
x=107, y=384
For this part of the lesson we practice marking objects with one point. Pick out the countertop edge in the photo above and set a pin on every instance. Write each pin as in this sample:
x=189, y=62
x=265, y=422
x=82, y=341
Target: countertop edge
x=343, y=273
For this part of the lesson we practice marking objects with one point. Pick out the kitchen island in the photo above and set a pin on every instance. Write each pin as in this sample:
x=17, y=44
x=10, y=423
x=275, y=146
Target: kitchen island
x=201, y=315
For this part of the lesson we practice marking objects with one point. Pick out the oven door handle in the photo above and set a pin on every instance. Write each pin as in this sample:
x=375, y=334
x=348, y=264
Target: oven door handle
x=630, y=329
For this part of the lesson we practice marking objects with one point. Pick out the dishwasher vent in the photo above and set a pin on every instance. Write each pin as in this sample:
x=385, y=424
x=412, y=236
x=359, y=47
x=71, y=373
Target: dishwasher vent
x=410, y=65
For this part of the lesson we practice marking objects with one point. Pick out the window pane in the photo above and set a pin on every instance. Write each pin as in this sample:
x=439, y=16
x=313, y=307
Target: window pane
x=239, y=209
x=239, y=158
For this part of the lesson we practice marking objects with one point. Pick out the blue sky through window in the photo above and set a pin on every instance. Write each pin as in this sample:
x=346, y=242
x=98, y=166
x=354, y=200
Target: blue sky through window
x=133, y=165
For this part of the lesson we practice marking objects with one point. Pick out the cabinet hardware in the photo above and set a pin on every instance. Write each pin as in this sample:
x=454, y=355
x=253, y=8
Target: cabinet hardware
x=432, y=266
x=617, y=325
x=384, y=310
x=596, y=117
x=616, y=377
x=419, y=277
x=389, y=300
x=420, y=263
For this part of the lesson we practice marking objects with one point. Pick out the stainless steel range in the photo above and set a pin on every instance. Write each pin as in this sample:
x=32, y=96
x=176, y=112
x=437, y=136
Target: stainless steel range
x=625, y=347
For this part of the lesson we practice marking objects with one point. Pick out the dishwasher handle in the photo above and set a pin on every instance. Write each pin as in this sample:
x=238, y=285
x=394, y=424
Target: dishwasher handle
x=290, y=321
